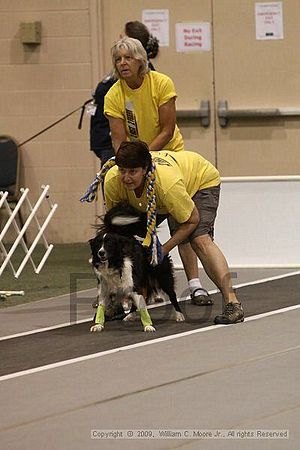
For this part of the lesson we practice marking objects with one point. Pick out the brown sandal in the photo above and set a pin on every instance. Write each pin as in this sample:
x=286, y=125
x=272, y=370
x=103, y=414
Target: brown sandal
x=201, y=299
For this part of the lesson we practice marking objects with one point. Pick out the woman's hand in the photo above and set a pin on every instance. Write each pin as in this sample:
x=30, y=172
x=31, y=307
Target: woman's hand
x=183, y=231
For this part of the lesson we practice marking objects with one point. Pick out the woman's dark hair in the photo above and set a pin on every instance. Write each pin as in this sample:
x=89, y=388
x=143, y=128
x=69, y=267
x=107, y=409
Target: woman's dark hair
x=138, y=30
x=133, y=154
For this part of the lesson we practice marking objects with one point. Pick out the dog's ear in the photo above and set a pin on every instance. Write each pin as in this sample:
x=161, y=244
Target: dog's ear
x=91, y=242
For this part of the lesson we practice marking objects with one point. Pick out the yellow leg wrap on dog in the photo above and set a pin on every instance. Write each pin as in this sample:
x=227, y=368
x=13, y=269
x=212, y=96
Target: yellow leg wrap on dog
x=100, y=315
x=145, y=317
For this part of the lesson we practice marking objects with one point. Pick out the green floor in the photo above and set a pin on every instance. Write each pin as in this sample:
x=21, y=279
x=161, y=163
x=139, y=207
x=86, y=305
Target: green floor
x=66, y=269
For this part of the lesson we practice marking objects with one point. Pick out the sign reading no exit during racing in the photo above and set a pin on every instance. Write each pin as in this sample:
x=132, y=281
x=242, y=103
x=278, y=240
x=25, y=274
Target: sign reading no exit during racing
x=191, y=37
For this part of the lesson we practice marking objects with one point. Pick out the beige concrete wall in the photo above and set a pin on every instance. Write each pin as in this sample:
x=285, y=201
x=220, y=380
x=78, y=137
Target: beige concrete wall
x=257, y=74
x=40, y=84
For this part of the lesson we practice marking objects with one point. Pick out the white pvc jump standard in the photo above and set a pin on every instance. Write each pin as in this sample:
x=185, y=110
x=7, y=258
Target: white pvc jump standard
x=20, y=233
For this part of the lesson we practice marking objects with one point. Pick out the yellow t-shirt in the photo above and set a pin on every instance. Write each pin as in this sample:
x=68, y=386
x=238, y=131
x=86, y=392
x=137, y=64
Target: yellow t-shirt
x=178, y=177
x=139, y=108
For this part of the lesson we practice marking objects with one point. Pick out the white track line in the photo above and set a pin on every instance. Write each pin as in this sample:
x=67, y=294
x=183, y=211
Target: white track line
x=214, y=291
x=139, y=344
x=265, y=280
x=41, y=330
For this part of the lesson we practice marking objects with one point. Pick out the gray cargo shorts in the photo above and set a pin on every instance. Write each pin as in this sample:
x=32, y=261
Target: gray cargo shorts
x=207, y=202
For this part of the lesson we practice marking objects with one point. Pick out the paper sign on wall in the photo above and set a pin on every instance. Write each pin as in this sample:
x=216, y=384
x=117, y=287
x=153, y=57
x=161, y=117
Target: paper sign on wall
x=157, y=21
x=191, y=37
x=269, y=23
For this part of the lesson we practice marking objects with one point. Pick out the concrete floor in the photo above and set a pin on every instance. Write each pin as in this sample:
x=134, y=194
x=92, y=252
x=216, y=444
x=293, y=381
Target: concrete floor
x=232, y=378
x=58, y=310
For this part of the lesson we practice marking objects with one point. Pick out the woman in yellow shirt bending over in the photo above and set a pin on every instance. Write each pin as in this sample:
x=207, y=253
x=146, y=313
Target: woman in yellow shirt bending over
x=184, y=186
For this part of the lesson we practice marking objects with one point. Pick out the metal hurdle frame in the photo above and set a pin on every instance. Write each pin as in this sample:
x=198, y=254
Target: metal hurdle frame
x=21, y=232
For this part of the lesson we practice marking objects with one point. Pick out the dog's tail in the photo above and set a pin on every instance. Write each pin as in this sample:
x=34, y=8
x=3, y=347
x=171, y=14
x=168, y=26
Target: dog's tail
x=125, y=220
x=122, y=221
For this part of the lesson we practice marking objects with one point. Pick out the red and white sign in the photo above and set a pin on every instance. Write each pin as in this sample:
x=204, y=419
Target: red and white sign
x=193, y=37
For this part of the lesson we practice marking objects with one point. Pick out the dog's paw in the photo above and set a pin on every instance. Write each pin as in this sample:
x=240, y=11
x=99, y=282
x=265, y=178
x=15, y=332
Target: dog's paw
x=179, y=317
x=96, y=328
x=149, y=329
x=131, y=317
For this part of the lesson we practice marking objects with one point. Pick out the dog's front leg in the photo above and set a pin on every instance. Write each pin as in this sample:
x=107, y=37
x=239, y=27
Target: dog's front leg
x=102, y=298
x=100, y=314
x=145, y=316
x=99, y=319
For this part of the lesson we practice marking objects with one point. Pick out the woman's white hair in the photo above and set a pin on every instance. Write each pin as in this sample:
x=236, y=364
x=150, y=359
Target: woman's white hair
x=135, y=49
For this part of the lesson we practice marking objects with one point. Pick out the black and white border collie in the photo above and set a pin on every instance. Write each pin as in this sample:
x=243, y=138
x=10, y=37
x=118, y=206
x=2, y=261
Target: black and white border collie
x=122, y=268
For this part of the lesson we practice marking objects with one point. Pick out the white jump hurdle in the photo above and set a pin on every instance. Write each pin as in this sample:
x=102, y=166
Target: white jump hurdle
x=11, y=222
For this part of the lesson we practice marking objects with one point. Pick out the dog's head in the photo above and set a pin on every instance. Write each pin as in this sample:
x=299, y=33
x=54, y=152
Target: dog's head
x=109, y=249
